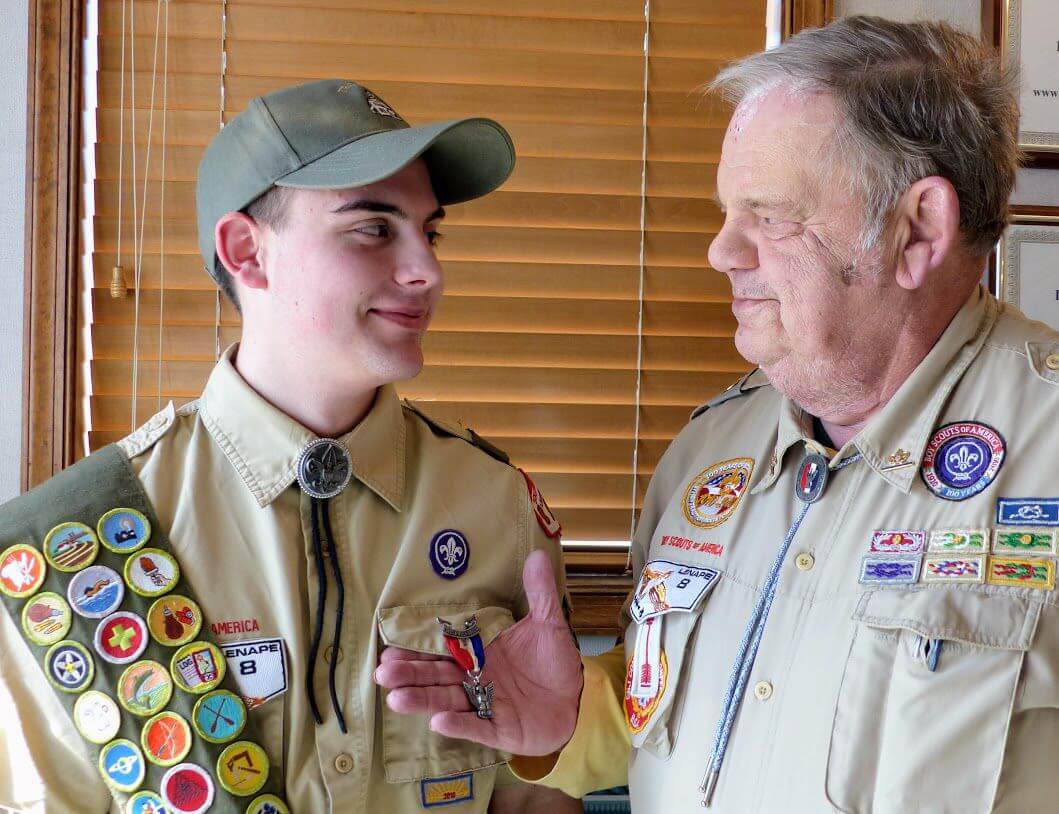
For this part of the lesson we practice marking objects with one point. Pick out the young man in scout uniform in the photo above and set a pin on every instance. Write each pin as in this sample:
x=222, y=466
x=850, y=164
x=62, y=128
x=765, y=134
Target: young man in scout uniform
x=857, y=541
x=208, y=597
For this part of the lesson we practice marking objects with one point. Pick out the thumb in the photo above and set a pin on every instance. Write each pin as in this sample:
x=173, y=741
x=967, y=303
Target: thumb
x=538, y=580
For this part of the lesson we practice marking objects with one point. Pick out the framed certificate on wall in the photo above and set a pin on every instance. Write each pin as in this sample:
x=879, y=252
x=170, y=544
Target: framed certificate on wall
x=1028, y=274
x=1030, y=40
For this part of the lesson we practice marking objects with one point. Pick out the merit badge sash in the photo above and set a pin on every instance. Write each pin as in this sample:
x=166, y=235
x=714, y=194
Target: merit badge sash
x=90, y=579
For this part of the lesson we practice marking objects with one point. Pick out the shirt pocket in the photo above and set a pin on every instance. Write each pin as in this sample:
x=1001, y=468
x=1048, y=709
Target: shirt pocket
x=410, y=751
x=908, y=738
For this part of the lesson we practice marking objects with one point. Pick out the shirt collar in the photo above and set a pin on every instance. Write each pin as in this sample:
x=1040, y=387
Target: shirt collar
x=263, y=443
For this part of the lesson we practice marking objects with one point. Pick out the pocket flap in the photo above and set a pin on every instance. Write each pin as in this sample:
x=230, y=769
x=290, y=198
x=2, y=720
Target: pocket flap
x=1001, y=621
x=415, y=627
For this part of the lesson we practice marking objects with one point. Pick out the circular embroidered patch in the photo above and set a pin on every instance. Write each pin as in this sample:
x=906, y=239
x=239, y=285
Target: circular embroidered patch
x=198, y=667
x=22, y=571
x=69, y=666
x=95, y=592
x=145, y=802
x=187, y=789
x=122, y=766
x=96, y=716
x=267, y=804
x=548, y=522
x=962, y=459
x=219, y=716
x=70, y=547
x=174, y=620
x=242, y=768
x=121, y=637
x=450, y=553
x=123, y=530
x=637, y=711
x=46, y=618
x=151, y=572
x=145, y=688
x=713, y=494
x=166, y=739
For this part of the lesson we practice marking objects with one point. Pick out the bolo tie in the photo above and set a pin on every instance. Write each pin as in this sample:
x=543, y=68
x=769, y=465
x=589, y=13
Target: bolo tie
x=323, y=471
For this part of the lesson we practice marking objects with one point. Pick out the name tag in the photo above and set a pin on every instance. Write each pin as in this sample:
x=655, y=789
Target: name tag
x=667, y=586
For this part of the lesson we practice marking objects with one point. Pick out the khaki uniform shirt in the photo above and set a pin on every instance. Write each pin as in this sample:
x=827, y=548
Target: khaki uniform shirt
x=221, y=476
x=841, y=710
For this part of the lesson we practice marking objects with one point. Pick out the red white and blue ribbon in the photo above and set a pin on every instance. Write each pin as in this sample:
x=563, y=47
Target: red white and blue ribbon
x=467, y=652
x=465, y=645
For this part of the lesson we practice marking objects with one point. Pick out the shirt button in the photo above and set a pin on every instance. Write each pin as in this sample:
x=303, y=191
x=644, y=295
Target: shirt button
x=343, y=764
x=330, y=651
x=805, y=561
x=1052, y=362
x=763, y=691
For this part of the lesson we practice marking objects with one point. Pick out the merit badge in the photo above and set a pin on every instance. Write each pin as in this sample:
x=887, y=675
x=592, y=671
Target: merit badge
x=962, y=540
x=812, y=477
x=945, y=568
x=122, y=766
x=713, y=494
x=121, y=637
x=898, y=542
x=145, y=802
x=97, y=717
x=465, y=645
x=46, y=618
x=670, y=586
x=69, y=666
x=1027, y=511
x=198, y=667
x=242, y=768
x=1025, y=541
x=545, y=518
x=145, y=688
x=174, y=620
x=95, y=592
x=638, y=711
x=962, y=459
x=445, y=791
x=886, y=569
x=259, y=668
x=449, y=553
x=187, y=789
x=166, y=739
x=1022, y=572
x=123, y=530
x=70, y=547
x=219, y=716
x=22, y=571
x=151, y=572
x=267, y=804
x=324, y=469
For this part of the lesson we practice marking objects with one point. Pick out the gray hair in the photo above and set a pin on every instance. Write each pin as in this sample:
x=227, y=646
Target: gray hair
x=915, y=100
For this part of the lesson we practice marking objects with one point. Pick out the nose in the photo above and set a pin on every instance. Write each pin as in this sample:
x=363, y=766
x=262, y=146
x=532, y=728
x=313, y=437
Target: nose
x=731, y=249
x=418, y=265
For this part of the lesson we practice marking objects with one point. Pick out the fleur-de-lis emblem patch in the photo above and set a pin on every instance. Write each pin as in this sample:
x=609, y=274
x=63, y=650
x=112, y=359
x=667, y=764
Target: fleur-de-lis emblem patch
x=449, y=553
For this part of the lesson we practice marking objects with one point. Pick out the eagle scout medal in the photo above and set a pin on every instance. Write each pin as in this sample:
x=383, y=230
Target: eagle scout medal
x=174, y=620
x=145, y=802
x=70, y=547
x=638, y=712
x=962, y=459
x=145, y=688
x=121, y=637
x=1026, y=542
x=713, y=494
x=890, y=569
x=450, y=554
x=219, y=716
x=267, y=804
x=151, y=572
x=812, y=477
x=187, y=789
x=545, y=518
x=95, y=592
x=952, y=568
x=242, y=768
x=898, y=542
x=122, y=766
x=123, y=530
x=1027, y=511
x=22, y=571
x=69, y=666
x=97, y=717
x=324, y=469
x=465, y=645
x=1021, y=572
x=968, y=541
x=166, y=739
x=198, y=667
x=46, y=618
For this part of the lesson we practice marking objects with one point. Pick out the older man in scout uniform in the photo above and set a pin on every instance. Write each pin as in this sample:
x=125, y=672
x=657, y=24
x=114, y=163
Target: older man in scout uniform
x=871, y=624
x=206, y=598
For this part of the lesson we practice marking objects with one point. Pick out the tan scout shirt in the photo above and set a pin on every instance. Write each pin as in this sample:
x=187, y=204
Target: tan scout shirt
x=841, y=711
x=221, y=476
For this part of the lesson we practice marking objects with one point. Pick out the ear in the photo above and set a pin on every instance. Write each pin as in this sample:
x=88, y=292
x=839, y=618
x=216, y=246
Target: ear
x=238, y=242
x=927, y=230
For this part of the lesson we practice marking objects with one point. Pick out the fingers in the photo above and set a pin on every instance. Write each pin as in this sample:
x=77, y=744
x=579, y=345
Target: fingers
x=428, y=700
x=396, y=673
x=400, y=654
x=466, y=726
x=538, y=581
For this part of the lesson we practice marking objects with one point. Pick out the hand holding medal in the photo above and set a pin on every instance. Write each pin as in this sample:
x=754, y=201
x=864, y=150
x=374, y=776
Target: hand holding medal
x=465, y=644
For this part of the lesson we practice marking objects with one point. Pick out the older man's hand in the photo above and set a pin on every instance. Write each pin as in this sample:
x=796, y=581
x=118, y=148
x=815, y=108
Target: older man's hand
x=535, y=668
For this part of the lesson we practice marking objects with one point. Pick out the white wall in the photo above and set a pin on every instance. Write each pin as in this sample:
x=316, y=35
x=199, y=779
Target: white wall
x=14, y=36
x=965, y=14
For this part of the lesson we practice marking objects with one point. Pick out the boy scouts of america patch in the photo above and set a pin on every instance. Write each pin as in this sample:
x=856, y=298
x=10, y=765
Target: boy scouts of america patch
x=713, y=495
x=962, y=459
x=444, y=791
x=638, y=711
x=545, y=518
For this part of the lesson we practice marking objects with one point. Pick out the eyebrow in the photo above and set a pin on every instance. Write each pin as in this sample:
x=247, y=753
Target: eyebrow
x=361, y=205
x=755, y=204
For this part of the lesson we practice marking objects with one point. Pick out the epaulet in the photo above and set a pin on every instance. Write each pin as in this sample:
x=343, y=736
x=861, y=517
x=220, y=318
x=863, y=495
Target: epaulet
x=142, y=439
x=751, y=381
x=468, y=435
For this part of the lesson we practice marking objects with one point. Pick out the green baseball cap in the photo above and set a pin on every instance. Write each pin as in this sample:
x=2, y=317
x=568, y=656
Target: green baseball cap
x=334, y=134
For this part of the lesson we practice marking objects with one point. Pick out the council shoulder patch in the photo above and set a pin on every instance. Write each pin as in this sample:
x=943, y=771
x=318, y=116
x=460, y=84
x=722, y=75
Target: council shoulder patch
x=1022, y=572
x=714, y=494
x=446, y=791
x=259, y=667
x=22, y=571
x=638, y=712
x=666, y=586
x=962, y=459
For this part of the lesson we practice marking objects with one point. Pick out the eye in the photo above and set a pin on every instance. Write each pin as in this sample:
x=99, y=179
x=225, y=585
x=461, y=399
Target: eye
x=374, y=230
x=434, y=237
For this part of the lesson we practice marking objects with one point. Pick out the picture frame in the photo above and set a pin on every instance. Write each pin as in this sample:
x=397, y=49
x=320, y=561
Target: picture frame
x=1028, y=263
x=1028, y=38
